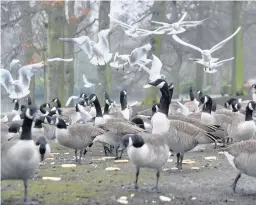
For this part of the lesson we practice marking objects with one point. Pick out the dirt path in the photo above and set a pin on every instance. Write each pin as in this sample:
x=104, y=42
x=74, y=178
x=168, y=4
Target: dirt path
x=90, y=183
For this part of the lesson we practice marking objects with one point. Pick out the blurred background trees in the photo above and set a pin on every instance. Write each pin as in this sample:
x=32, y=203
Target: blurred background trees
x=30, y=32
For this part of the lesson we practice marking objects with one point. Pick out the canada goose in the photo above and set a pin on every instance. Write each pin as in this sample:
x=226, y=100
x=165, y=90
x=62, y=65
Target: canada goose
x=230, y=102
x=148, y=151
x=37, y=129
x=181, y=136
x=242, y=156
x=77, y=136
x=193, y=104
x=243, y=128
x=26, y=160
x=200, y=94
x=44, y=108
x=114, y=128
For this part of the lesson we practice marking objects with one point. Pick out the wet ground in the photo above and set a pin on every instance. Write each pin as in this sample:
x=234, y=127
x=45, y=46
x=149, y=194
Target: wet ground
x=90, y=183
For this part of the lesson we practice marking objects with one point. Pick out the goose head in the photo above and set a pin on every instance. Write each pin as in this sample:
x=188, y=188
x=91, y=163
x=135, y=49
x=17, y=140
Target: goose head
x=31, y=112
x=129, y=140
x=159, y=83
x=204, y=100
x=29, y=100
x=42, y=147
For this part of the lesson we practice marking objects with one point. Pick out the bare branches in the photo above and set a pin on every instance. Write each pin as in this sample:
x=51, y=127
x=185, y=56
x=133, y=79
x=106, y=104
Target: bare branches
x=87, y=26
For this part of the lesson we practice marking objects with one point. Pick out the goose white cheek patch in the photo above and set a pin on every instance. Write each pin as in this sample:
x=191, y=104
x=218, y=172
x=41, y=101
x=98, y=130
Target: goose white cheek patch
x=250, y=106
x=28, y=114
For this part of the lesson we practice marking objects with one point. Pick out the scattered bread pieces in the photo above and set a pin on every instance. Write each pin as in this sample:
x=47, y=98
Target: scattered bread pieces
x=164, y=198
x=68, y=165
x=112, y=169
x=52, y=178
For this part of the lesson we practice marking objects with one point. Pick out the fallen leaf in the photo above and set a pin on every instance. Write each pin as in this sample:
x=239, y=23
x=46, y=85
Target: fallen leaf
x=188, y=161
x=122, y=161
x=68, y=165
x=210, y=158
x=164, y=198
x=195, y=168
x=52, y=178
x=112, y=169
x=174, y=168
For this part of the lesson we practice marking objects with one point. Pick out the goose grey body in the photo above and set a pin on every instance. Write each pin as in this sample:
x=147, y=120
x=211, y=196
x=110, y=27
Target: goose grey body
x=20, y=157
x=77, y=137
x=242, y=156
x=146, y=151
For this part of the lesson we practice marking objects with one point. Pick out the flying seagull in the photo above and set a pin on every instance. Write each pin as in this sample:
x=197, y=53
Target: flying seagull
x=206, y=54
x=154, y=72
x=177, y=27
x=87, y=84
x=133, y=31
x=211, y=67
x=19, y=88
x=60, y=59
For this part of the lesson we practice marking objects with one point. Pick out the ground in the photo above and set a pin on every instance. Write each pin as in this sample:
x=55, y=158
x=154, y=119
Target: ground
x=90, y=183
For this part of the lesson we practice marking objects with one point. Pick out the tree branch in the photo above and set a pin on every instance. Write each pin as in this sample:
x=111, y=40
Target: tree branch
x=87, y=26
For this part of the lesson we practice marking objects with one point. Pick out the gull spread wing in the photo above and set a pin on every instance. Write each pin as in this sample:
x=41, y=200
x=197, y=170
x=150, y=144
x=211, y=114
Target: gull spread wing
x=225, y=60
x=162, y=23
x=6, y=80
x=85, y=80
x=155, y=68
x=103, y=41
x=26, y=72
x=220, y=44
x=59, y=59
x=176, y=38
x=120, y=22
x=183, y=17
x=70, y=99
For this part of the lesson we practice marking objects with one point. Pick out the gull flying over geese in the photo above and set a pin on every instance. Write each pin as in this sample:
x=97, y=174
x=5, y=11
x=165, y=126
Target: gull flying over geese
x=19, y=88
x=179, y=26
x=206, y=54
x=133, y=31
x=60, y=59
x=87, y=84
x=211, y=67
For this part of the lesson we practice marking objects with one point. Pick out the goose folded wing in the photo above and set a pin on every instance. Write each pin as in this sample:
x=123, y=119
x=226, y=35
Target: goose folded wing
x=248, y=146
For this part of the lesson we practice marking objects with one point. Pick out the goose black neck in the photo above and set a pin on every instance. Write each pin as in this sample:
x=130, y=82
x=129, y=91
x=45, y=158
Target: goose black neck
x=97, y=107
x=208, y=106
x=29, y=101
x=165, y=100
x=106, y=108
x=16, y=105
x=123, y=101
x=170, y=95
x=191, y=94
x=38, y=124
x=248, y=114
x=58, y=103
x=200, y=95
x=26, y=129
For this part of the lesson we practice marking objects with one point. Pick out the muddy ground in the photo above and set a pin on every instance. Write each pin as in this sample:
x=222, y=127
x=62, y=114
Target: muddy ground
x=90, y=183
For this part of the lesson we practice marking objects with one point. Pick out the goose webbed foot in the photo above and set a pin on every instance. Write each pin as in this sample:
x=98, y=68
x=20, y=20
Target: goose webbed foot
x=157, y=180
x=235, y=182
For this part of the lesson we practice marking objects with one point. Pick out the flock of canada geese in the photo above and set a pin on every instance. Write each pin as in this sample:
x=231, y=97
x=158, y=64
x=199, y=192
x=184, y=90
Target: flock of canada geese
x=149, y=136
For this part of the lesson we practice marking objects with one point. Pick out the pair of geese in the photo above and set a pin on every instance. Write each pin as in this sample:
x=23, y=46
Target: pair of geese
x=152, y=150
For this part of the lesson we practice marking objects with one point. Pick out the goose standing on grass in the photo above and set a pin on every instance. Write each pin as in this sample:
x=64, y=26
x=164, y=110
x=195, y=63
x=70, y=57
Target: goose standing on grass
x=145, y=152
x=20, y=158
x=180, y=136
x=77, y=136
x=114, y=128
x=242, y=156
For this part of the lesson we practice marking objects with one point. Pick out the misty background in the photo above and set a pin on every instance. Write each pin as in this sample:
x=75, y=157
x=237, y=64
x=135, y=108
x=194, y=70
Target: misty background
x=30, y=32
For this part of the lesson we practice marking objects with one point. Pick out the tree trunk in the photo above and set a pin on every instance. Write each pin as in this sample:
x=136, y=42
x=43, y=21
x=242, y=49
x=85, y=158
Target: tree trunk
x=103, y=72
x=27, y=36
x=158, y=15
x=70, y=28
x=55, y=74
x=200, y=43
x=238, y=64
